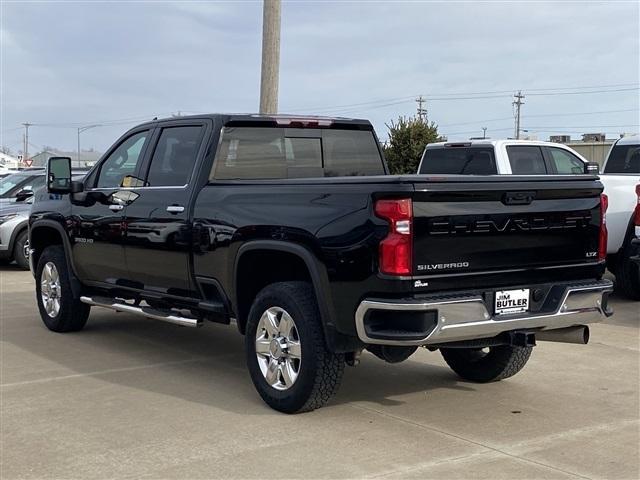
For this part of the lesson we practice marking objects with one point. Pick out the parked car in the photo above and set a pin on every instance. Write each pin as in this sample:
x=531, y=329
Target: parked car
x=20, y=185
x=500, y=157
x=14, y=234
x=621, y=179
x=293, y=228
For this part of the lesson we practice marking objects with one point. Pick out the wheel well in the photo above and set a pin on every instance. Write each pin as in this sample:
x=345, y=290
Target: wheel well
x=258, y=268
x=41, y=238
x=18, y=231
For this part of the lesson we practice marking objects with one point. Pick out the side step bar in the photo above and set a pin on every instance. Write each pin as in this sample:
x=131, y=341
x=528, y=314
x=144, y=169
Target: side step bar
x=148, y=312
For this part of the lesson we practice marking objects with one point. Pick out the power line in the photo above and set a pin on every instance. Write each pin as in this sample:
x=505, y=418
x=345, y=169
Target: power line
x=586, y=93
x=574, y=114
x=581, y=113
x=586, y=126
x=486, y=94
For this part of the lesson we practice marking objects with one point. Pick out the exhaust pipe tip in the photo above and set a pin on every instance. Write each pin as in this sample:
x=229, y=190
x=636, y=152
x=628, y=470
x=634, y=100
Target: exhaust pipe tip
x=578, y=334
x=586, y=335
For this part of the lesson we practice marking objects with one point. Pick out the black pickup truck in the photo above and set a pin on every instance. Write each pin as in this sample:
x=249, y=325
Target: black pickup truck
x=293, y=229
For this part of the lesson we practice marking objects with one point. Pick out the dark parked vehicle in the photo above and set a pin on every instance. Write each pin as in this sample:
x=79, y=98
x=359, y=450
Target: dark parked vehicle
x=292, y=228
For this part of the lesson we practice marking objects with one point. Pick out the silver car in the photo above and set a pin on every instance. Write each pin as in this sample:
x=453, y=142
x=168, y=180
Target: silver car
x=14, y=234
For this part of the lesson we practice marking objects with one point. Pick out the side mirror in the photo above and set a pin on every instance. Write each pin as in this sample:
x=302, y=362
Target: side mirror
x=592, y=168
x=59, y=175
x=22, y=195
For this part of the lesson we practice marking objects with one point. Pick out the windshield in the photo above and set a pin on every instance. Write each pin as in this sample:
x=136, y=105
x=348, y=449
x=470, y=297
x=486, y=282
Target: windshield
x=459, y=161
x=624, y=159
x=7, y=184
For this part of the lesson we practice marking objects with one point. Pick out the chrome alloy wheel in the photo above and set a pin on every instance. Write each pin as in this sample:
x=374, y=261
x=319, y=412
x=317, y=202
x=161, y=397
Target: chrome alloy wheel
x=50, y=289
x=26, y=251
x=278, y=348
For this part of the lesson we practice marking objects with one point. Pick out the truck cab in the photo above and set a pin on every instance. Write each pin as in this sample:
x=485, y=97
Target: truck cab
x=500, y=157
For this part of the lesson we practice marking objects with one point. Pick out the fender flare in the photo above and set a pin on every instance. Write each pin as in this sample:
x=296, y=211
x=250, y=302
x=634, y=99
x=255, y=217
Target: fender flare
x=317, y=272
x=66, y=245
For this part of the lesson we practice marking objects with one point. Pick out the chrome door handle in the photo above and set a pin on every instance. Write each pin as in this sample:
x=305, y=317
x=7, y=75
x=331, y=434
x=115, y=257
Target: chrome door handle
x=175, y=209
x=116, y=208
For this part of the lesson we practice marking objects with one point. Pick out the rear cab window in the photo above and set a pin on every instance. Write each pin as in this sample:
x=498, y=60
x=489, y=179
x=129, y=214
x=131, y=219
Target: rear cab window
x=280, y=152
x=624, y=159
x=455, y=160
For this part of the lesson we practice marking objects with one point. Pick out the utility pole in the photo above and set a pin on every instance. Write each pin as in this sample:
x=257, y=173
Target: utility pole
x=270, y=56
x=25, y=150
x=422, y=112
x=518, y=103
x=484, y=132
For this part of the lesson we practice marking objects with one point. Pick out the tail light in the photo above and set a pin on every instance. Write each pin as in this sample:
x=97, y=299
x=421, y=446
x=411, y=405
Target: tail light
x=636, y=215
x=396, y=248
x=602, y=244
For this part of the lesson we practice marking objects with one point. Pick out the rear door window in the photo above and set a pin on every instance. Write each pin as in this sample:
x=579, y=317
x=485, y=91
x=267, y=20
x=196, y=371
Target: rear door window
x=459, y=161
x=565, y=162
x=624, y=159
x=526, y=160
x=175, y=156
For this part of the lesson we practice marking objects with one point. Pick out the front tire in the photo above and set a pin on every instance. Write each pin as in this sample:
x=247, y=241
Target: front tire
x=288, y=361
x=489, y=364
x=60, y=310
x=21, y=250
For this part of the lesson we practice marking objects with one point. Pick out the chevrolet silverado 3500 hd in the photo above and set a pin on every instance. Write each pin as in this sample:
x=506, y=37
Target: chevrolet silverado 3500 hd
x=293, y=228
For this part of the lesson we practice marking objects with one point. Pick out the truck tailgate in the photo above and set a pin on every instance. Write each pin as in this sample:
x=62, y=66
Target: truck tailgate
x=484, y=224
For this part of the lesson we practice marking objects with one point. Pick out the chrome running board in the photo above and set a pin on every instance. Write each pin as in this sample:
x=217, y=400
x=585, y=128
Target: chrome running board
x=148, y=312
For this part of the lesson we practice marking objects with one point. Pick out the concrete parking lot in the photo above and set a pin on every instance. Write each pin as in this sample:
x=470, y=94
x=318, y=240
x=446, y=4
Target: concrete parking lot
x=130, y=397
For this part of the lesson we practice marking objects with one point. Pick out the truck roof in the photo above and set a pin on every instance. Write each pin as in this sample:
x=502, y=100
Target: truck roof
x=629, y=140
x=278, y=119
x=493, y=143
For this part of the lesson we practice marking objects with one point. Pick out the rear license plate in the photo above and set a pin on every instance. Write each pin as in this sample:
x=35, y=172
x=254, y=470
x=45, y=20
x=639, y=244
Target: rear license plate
x=512, y=301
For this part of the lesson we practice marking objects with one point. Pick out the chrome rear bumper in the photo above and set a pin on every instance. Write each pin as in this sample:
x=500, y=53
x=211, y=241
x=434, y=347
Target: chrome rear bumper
x=467, y=317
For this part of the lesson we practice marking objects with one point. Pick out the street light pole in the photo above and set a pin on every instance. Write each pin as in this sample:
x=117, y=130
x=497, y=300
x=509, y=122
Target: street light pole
x=270, y=56
x=80, y=130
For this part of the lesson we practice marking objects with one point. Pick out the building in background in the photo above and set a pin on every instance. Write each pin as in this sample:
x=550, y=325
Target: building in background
x=87, y=157
x=593, y=146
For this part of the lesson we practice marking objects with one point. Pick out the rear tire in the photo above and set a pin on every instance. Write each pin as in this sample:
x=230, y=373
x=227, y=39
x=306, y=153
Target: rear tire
x=486, y=365
x=628, y=275
x=60, y=310
x=20, y=250
x=288, y=361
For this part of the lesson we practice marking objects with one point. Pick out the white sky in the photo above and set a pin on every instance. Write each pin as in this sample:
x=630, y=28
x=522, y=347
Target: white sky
x=78, y=63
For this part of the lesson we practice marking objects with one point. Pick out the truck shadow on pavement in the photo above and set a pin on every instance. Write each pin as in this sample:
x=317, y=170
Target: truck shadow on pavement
x=206, y=366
